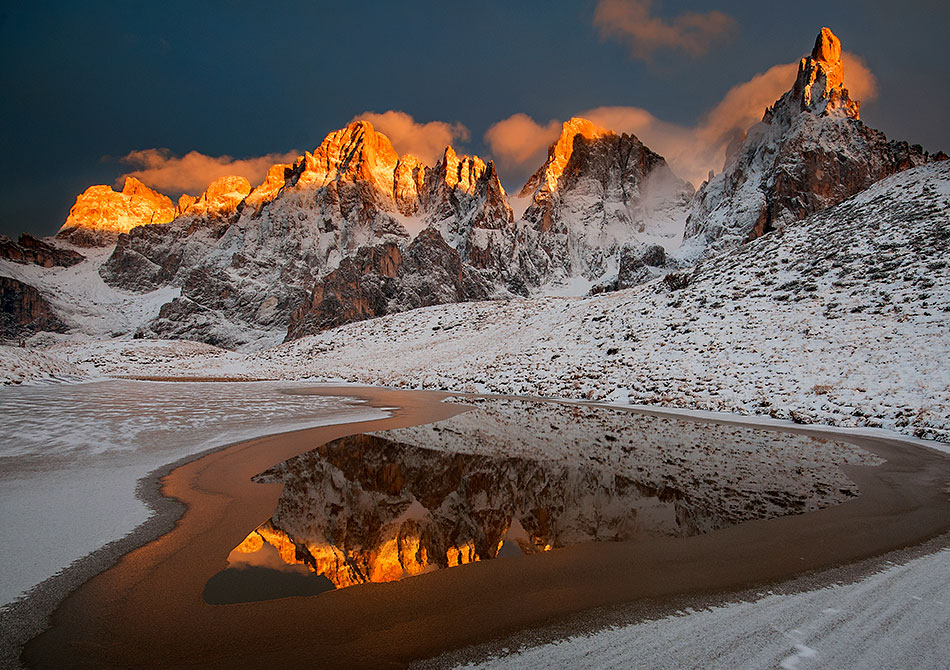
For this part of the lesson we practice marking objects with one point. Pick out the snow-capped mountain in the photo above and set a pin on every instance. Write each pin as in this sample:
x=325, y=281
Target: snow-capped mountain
x=599, y=205
x=353, y=230
x=809, y=152
x=246, y=259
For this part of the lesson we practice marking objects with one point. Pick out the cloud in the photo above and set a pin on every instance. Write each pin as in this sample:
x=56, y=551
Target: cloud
x=860, y=81
x=162, y=170
x=520, y=140
x=692, y=151
x=692, y=32
x=426, y=141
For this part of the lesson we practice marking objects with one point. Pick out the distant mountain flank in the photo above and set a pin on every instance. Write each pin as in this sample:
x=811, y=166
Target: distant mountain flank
x=353, y=230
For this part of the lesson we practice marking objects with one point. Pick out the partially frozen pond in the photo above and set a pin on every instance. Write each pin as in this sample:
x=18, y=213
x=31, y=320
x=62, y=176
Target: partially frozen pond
x=513, y=478
x=71, y=454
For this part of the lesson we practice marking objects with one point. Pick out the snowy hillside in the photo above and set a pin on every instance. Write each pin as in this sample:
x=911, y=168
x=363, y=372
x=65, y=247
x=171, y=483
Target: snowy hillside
x=841, y=318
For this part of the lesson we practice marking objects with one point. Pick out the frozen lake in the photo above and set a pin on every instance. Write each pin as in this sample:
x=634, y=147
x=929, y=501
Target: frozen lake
x=71, y=454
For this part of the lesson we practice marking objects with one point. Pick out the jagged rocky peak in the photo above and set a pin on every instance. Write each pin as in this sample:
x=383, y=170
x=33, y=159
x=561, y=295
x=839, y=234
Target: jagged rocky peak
x=809, y=152
x=594, y=176
x=458, y=184
x=597, y=193
x=546, y=178
x=819, y=87
x=270, y=187
x=220, y=199
x=460, y=172
x=101, y=213
x=357, y=153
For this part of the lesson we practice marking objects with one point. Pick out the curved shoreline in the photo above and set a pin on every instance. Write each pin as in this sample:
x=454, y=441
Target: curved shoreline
x=369, y=600
x=29, y=615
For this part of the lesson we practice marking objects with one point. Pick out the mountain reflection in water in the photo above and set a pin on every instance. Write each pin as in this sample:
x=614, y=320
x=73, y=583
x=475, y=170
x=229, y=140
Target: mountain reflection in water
x=368, y=508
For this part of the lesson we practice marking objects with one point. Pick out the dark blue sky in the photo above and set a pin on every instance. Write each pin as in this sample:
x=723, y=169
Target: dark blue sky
x=84, y=81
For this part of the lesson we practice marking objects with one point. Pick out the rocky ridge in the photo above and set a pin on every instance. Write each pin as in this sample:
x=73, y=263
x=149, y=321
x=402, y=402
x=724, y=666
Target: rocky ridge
x=29, y=249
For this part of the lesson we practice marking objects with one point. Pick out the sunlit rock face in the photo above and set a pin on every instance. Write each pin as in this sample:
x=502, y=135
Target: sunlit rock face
x=100, y=213
x=520, y=477
x=810, y=152
x=462, y=197
x=220, y=200
x=597, y=194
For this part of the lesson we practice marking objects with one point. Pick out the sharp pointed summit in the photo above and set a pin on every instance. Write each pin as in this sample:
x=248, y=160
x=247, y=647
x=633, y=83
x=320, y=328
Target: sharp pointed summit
x=810, y=151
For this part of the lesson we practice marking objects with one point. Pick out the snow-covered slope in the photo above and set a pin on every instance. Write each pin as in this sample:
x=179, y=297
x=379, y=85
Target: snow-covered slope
x=841, y=318
x=83, y=301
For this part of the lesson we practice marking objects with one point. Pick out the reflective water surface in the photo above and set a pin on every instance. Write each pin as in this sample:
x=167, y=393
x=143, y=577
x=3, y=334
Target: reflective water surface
x=514, y=478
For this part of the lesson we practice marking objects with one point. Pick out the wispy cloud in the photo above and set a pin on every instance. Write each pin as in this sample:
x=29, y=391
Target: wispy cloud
x=693, y=33
x=426, y=141
x=518, y=142
x=164, y=171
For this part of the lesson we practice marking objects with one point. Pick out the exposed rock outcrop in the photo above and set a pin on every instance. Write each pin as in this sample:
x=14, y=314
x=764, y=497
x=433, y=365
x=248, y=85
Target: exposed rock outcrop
x=23, y=311
x=810, y=151
x=29, y=249
x=463, y=198
x=384, y=279
x=220, y=200
x=101, y=214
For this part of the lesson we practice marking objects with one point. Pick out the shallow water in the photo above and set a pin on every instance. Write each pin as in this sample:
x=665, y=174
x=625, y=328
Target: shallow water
x=514, y=478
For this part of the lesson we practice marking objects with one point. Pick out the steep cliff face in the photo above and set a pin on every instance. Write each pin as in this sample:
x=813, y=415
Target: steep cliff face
x=464, y=200
x=597, y=194
x=810, y=151
x=386, y=279
x=24, y=311
x=101, y=214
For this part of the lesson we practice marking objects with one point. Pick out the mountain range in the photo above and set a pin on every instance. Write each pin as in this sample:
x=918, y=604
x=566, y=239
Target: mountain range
x=353, y=230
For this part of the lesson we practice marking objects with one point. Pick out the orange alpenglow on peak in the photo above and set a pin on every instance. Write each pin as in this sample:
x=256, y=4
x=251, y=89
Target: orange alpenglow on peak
x=820, y=83
x=101, y=213
x=462, y=171
x=827, y=47
x=271, y=186
x=559, y=154
x=354, y=153
x=221, y=198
